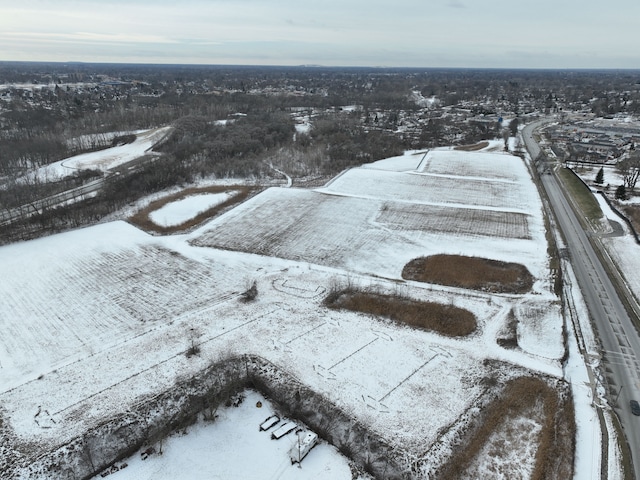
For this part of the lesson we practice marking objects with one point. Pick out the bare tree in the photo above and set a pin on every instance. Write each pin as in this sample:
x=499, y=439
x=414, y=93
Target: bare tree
x=629, y=168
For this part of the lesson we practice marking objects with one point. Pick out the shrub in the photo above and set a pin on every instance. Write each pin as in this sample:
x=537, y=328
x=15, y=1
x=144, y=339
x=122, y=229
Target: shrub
x=250, y=293
x=123, y=139
x=621, y=193
x=445, y=319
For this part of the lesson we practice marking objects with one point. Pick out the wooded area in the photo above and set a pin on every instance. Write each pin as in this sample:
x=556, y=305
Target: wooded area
x=253, y=122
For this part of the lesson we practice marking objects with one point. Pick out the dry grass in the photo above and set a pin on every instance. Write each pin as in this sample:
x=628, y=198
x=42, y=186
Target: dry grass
x=472, y=148
x=470, y=272
x=633, y=214
x=582, y=197
x=141, y=218
x=556, y=442
x=444, y=319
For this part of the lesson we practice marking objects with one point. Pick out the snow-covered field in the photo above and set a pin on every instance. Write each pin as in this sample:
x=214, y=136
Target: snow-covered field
x=374, y=221
x=178, y=212
x=96, y=319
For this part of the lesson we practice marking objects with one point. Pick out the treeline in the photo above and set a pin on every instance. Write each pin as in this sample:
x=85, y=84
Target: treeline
x=250, y=146
x=37, y=124
x=232, y=149
x=118, y=191
x=347, y=142
x=29, y=189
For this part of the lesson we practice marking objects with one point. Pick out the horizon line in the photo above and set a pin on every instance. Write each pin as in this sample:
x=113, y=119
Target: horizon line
x=310, y=66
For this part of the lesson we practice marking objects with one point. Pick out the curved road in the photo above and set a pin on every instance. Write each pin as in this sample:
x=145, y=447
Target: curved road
x=618, y=337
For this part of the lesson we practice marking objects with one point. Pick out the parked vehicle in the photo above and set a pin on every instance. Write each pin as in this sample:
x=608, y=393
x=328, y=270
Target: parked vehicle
x=635, y=407
x=269, y=422
x=283, y=430
x=306, y=441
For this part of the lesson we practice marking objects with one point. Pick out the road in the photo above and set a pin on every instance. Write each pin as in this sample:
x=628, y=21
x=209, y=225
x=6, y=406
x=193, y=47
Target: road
x=77, y=193
x=619, y=339
x=37, y=206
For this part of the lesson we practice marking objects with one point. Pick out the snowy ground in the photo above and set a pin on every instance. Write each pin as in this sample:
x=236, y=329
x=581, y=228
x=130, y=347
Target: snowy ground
x=103, y=160
x=179, y=212
x=204, y=451
x=97, y=318
x=374, y=221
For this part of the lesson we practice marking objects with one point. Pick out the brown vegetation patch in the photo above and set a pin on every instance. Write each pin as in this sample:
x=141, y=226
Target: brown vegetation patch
x=470, y=272
x=633, y=214
x=556, y=441
x=472, y=148
x=444, y=319
x=141, y=218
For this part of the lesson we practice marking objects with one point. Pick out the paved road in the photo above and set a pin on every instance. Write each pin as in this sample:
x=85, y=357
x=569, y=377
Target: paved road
x=25, y=211
x=38, y=205
x=619, y=339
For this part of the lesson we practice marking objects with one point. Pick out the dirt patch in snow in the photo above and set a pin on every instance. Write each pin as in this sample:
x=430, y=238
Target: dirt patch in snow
x=445, y=319
x=142, y=219
x=470, y=272
x=472, y=148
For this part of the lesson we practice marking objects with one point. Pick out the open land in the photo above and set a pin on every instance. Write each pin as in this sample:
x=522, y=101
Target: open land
x=99, y=320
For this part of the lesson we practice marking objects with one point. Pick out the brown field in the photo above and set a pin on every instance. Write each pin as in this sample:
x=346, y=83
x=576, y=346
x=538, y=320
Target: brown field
x=472, y=148
x=141, y=218
x=444, y=319
x=470, y=272
x=555, y=448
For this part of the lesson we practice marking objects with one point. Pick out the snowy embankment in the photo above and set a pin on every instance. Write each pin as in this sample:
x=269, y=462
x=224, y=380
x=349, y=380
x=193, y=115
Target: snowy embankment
x=623, y=249
x=99, y=319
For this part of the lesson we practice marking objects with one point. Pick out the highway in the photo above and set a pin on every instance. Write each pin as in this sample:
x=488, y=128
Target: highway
x=9, y=216
x=619, y=339
x=37, y=206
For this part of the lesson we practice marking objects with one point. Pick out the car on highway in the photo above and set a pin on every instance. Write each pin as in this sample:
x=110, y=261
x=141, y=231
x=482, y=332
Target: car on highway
x=635, y=407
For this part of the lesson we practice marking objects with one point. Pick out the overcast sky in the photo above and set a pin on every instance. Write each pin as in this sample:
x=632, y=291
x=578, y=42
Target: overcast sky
x=399, y=33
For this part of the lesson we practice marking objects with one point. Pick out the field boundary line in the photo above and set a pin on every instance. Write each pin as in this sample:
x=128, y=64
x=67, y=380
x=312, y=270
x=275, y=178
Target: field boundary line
x=155, y=365
x=408, y=377
x=354, y=352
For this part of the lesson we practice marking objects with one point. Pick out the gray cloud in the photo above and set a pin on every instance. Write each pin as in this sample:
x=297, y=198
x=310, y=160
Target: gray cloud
x=452, y=33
